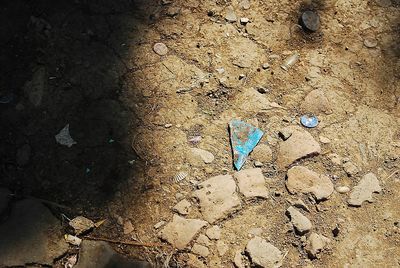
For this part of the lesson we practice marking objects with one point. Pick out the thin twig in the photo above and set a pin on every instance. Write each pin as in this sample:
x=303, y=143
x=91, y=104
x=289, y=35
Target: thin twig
x=130, y=243
x=391, y=175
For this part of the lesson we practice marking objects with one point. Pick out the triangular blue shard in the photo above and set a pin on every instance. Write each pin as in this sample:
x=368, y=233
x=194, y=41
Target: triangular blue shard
x=244, y=137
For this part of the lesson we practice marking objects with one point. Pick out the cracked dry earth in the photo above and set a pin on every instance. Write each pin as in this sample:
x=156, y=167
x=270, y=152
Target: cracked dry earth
x=321, y=197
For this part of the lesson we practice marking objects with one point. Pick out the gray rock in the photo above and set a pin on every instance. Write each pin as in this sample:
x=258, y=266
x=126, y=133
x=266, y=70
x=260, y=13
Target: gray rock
x=214, y=232
x=30, y=235
x=230, y=14
x=310, y=21
x=200, y=250
x=350, y=168
x=264, y=254
x=182, y=207
x=4, y=199
x=251, y=183
x=81, y=224
x=99, y=254
x=203, y=240
x=181, y=231
x=302, y=180
x=315, y=244
x=262, y=153
x=368, y=185
x=300, y=222
x=217, y=198
x=23, y=155
x=222, y=248
x=205, y=156
x=300, y=145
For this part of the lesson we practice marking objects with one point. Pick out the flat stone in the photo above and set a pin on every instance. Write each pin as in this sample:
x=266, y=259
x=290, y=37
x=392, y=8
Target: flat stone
x=302, y=180
x=81, y=224
x=25, y=236
x=214, y=232
x=230, y=14
x=350, y=168
x=222, y=248
x=238, y=260
x=181, y=231
x=262, y=153
x=298, y=146
x=300, y=222
x=316, y=102
x=182, y=207
x=251, y=183
x=315, y=244
x=217, y=197
x=200, y=250
x=4, y=199
x=203, y=240
x=368, y=185
x=205, y=156
x=128, y=227
x=160, y=49
x=264, y=254
x=99, y=254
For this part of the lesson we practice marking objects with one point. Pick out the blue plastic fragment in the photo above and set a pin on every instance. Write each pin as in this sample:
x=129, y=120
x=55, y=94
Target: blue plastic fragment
x=309, y=121
x=244, y=137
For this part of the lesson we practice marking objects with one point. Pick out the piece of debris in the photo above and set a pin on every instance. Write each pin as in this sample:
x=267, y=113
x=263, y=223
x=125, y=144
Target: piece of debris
x=203, y=240
x=298, y=146
x=180, y=176
x=81, y=225
x=290, y=61
x=230, y=14
x=302, y=180
x=200, y=250
x=264, y=254
x=214, y=232
x=350, y=169
x=244, y=137
x=181, y=231
x=217, y=197
x=160, y=224
x=342, y=189
x=73, y=240
x=300, y=222
x=315, y=244
x=205, y=156
x=370, y=42
x=182, y=207
x=363, y=191
x=251, y=183
x=310, y=21
x=309, y=121
x=64, y=137
x=222, y=248
x=160, y=48
x=128, y=227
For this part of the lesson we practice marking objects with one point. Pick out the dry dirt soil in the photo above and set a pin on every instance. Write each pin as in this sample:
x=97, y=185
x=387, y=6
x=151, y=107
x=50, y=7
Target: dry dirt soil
x=132, y=112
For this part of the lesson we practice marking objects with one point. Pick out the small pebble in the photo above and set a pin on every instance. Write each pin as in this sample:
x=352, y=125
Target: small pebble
x=161, y=49
x=265, y=66
x=370, y=43
x=310, y=21
x=168, y=125
x=241, y=76
x=262, y=90
x=342, y=189
x=258, y=164
x=244, y=20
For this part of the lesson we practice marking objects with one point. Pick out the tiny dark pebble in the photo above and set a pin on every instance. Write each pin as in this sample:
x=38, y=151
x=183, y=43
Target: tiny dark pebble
x=309, y=20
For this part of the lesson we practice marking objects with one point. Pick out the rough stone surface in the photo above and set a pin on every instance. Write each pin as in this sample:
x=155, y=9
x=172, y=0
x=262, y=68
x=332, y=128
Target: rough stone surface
x=214, y=232
x=99, y=254
x=182, y=207
x=263, y=254
x=181, y=231
x=81, y=224
x=316, y=102
x=200, y=250
x=217, y=197
x=302, y=180
x=203, y=240
x=222, y=248
x=315, y=244
x=300, y=222
x=205, y=156
x=368, y=185
x=262, y=153
x=4, y=199
x=350, y=168
x=251, y=183
x=299, y=145
x=30, y=235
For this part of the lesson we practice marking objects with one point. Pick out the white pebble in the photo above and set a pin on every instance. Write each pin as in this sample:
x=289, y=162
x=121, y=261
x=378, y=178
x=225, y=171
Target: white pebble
x=342, y=189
